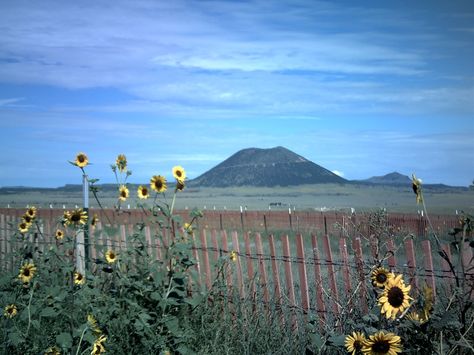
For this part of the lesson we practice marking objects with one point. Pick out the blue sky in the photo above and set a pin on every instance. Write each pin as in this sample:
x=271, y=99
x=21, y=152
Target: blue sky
x=362, y=88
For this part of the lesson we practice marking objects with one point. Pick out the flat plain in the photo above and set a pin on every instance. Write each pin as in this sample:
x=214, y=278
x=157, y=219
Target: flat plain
x=320, y=197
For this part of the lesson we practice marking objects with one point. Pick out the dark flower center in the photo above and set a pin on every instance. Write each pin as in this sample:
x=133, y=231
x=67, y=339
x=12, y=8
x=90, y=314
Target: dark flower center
x=382, y=277
x=158, y=184
x=81, y=158
x=76, y=217
x=79, y=277
x=395, y=297
x=178, y=172
x=144, y=191
x=357, y=345
x=26, y=272
x=381, y=347
x=123, y=193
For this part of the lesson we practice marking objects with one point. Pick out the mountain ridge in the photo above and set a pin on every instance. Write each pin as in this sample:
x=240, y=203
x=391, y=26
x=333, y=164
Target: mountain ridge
x=276, y=166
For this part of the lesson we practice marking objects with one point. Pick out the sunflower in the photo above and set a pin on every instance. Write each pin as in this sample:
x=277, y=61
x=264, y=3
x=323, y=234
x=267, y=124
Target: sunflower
x=394, y=297
x=81, y=160
x=111, y=257
x=94, y=220
x=59, y=234
x=179, y=185
x=92, y=322
x=417, y=317
x=98, y=346
x=23, y=227
x=416, y=186
x=121, y=162
x=10, y=311
x=382, y=343
x=54, y=350
x=188, y=228
x=27, y=218
x=76, y=217
x=354, y=342
x=79, y=279
x=158, y=183
x=143, y=192
x=27, y=272
x=179, y=173
x=31, y=211
x=123, y=193
x=380, y=276
x=233, y=255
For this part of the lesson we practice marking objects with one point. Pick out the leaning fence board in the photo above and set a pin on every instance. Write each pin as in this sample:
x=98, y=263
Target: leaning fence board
x=236, y=249
x=275, y=271
x=205, y=258
x=225, y=251
x=320, y=306
x=302, y=272
x=331, y=274
x=392, y=260
x=429, y=278
x=250, y=270
x=262, y=268
x=290, y=287
x=360, y=269
x=345, y=266
x=447, y=272
x=411, y=262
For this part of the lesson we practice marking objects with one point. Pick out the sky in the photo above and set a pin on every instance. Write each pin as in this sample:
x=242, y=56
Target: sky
x=363, y=88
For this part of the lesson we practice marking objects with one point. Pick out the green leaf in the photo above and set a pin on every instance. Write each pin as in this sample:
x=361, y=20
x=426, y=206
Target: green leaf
x=15, y=338
x=48, y=312
x=64, y=340
x=195, y=301
x=337, y=340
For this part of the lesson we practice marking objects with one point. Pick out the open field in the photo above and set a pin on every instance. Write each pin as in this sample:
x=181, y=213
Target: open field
x=306, y=197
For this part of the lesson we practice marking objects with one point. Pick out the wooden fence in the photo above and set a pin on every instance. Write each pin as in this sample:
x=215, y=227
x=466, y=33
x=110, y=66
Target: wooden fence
x=310, y=270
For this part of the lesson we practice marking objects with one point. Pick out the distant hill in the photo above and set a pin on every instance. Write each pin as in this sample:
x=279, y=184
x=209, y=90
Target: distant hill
x=266, y=167
x=389, y=179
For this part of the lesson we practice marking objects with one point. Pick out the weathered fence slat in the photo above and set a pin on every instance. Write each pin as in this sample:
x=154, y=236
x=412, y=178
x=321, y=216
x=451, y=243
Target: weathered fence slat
x=205, y=257
x=411, y=262
x=359, y=261
x=426, y=245
x=302, y=272
x=290, y=286
x=345, y=265
x=275, y=270
x=236, y=249
x=392, y=260
x=320, y=305
x=331, y=274
x=250, y=269
x=262, y=269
